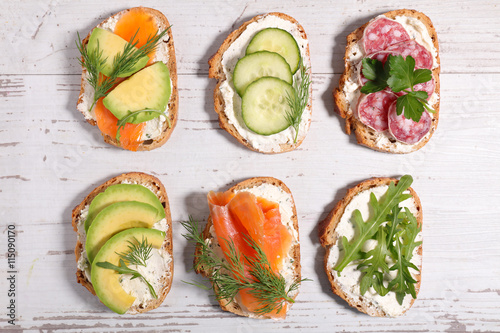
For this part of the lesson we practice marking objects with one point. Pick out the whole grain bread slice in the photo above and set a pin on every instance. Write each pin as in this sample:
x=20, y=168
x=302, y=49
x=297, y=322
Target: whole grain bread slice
x=216, y=71
x=294, y=252
x=165, y=50
x=152, y=183
x=329, y=237
x=365, y=135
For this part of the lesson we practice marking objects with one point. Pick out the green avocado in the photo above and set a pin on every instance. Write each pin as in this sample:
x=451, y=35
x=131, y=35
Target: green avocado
x=146, y=89
x=110, y=45
x=106, y=281
x=122, y=192
x=115, y=218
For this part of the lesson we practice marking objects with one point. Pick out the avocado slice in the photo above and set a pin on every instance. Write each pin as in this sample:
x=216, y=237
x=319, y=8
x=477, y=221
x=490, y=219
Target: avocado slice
x=122, y=192
x=111, y=44
x=115, y=218
x=146, y=89
x=106, y=281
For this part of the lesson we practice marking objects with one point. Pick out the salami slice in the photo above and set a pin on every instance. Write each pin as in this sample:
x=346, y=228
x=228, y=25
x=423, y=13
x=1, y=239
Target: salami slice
x=381, y=33
x=406, y=130
x=373, y=109
x=422, y=56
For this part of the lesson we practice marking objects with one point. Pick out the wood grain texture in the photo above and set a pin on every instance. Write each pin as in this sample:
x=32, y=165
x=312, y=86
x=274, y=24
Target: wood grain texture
x=50, y=158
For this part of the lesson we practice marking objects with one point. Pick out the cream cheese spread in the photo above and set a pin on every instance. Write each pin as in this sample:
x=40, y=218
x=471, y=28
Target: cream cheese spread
x=156, y=270
x=417, y=31
x=350, y=276
x=232, y=101
x=154, y=127
x=285, y=201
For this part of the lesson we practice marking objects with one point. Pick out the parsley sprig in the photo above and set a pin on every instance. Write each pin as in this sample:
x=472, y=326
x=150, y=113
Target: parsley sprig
x=395, y=232
x=228, y=277
x=138, y=253
x=298, y=101
x=398, y=74
x=123, y=62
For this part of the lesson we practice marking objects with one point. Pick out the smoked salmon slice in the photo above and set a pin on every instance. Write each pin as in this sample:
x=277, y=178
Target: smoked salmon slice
x=238, y=216
x=137, y=18
x=130, y=135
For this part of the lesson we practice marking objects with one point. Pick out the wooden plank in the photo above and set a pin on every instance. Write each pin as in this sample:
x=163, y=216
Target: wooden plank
x=55, y=158
x=50, y=158
x=467, y=43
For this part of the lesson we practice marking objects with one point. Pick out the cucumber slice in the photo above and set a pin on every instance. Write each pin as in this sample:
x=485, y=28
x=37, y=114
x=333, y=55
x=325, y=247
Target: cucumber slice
x=259, y=64
x=264, y=105
x=279, y=41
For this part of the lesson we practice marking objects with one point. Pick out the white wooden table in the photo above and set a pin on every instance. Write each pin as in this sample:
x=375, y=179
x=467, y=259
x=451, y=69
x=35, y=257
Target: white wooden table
x=51, y=158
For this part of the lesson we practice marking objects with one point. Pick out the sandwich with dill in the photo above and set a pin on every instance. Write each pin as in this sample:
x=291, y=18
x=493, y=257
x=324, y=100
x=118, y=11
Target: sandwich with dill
x=124, y=243
x=249, y=249
x=129, y=79
x=373, y=242
x=263, y=95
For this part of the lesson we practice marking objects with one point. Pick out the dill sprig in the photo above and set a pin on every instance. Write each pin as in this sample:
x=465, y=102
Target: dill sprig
x=138, y=253
x=298, y=101
x=228, y=277
x=123, y=62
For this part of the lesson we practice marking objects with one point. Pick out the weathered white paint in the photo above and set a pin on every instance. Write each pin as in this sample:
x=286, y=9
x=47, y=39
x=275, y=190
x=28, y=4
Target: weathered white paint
x=50, y=158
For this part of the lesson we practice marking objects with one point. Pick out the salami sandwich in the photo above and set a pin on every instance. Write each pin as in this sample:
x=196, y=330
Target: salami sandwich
x=380, y=119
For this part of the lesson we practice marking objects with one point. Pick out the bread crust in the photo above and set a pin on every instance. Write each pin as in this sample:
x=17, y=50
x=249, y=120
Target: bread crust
x=216, y=71
x=328, y=238
x=143, y=179
x=173, y=102
x=364, y=134
x=294, y=250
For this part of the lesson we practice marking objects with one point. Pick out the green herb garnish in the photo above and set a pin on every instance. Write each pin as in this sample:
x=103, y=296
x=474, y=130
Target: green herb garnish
x=138, y=253
x=122, y=63
x=298, y=101
x=381, y=208
x=399, y=74
x=122, y=122
x=396, y=232
x=228, y=277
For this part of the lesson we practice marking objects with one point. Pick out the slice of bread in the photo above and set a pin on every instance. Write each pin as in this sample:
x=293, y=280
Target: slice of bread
x=216, y=71
x=330, y=238
x=381, y=141
x=294, y=252
x=165, y=53
x=78, y=222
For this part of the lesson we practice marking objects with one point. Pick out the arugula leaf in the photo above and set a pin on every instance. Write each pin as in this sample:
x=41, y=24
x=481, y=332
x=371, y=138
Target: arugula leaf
x=377, y=73
x=394, y=195
x=410, y=234
x=403, y=283
x=395, y=218
x=375, y=266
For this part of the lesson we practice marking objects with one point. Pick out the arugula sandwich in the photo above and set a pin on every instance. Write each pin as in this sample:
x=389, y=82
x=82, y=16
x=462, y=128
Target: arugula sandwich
x=124, y=243
x=373, y=242
x=263, y=95
x=129, y=79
